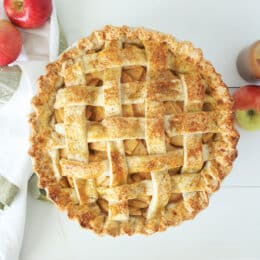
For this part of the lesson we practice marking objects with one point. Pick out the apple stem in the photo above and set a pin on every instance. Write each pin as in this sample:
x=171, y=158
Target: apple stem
x=18, y=4
x=251, y=112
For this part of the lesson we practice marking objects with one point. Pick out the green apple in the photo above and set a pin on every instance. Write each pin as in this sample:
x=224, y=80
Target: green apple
x=248, y=119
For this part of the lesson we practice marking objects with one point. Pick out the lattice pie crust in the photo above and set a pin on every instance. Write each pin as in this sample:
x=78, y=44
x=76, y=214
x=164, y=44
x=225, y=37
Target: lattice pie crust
x=132, y=131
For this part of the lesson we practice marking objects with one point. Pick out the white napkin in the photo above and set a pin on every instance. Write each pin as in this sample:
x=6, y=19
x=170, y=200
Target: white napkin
x=40, y=46
x=14, y=162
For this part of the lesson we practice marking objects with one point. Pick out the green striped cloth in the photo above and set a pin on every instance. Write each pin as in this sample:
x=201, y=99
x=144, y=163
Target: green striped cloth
x=9, y=81
x=7, y=191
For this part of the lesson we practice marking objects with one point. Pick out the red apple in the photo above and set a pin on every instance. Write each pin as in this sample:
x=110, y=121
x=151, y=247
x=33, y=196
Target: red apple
x=10, y=43
x=247, y=97
x=28, y=13
x=247, y=107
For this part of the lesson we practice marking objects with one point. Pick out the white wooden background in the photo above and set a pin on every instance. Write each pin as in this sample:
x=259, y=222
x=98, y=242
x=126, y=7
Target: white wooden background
x=230, y=227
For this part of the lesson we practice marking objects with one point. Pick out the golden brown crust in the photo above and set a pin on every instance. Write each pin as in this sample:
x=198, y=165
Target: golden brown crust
x=204, y=163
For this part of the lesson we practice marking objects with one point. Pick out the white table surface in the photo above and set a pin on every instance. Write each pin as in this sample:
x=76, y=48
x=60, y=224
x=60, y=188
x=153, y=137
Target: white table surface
x=230, y=227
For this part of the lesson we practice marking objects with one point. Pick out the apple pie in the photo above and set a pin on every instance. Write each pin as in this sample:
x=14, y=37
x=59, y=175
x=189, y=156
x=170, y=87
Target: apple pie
x=132, y=131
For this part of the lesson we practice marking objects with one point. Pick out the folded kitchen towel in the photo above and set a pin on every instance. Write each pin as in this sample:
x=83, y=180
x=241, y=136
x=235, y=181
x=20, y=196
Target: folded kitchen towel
x=40, y=46
x=14, y=161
